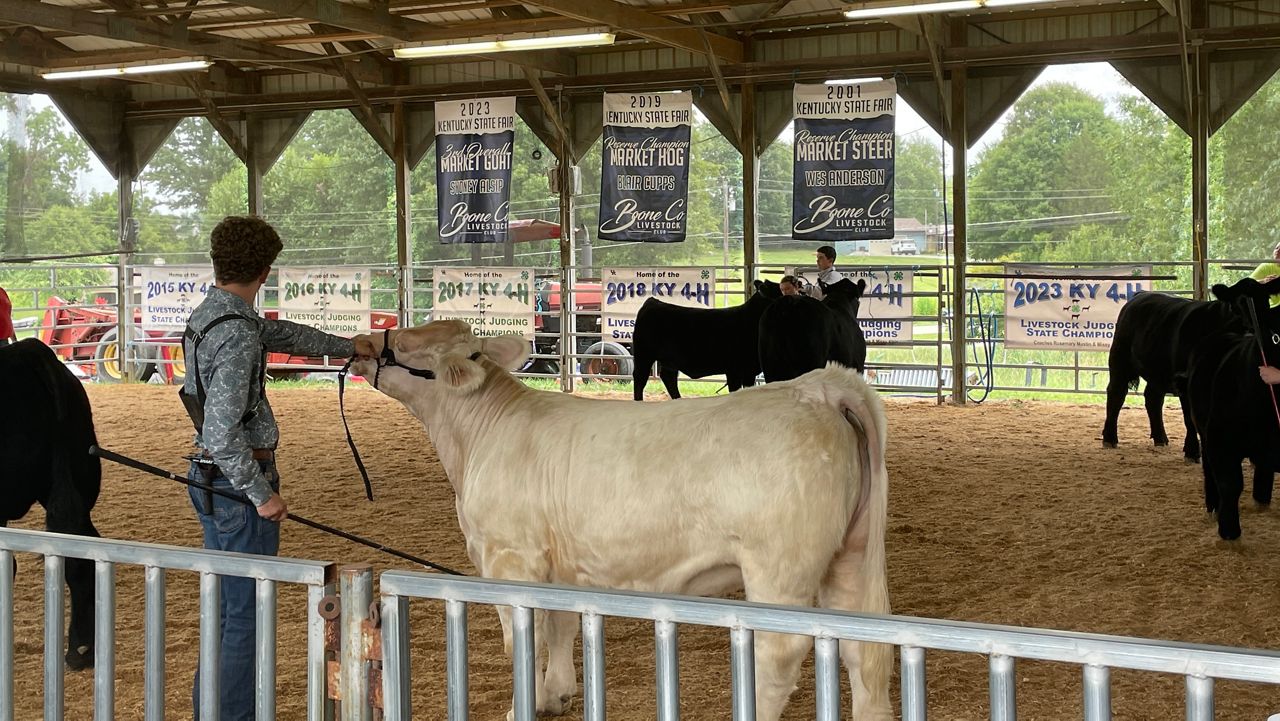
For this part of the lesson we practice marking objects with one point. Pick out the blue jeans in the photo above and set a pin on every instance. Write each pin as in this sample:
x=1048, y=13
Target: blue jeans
x=234, y=526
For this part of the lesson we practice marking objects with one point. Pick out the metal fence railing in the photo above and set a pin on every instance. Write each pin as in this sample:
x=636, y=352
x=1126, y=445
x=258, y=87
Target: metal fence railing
x=1096, y=655
x=106, y=555
x=76, y=308
x=372, y=660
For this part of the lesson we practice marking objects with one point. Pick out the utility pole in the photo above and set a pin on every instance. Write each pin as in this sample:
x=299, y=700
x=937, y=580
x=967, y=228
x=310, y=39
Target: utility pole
x=14, y=240
x=724, y=196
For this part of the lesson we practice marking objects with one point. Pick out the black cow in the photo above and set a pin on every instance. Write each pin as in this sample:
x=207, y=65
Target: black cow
x=700, y=341
x=46, y=430
x=1153, y=340
x=799, y=334
x=1232, y=408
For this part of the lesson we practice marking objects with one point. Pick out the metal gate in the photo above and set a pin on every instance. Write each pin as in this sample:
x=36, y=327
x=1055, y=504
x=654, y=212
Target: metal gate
x=156, y=559
x=1096, y=654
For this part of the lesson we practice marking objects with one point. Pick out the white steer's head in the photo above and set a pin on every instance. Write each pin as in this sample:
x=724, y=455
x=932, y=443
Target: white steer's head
x=443, y=352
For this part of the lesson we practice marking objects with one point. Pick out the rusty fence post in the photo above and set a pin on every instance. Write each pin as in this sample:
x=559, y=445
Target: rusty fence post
x=353, y=640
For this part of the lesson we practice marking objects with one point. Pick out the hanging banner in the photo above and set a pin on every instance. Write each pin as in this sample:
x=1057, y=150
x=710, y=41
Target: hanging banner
x=334, y=300
x=1054, y=312
x=884, y=313
x=842, y=187
x=474, y=141
x=644, y=169
x=170, y=293
x=624, y=290
x=493, y=301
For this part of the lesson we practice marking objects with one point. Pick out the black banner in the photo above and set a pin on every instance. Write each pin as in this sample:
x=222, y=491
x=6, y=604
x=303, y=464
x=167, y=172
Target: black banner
x=474, y=141
x=644, y=171
x=842, y=186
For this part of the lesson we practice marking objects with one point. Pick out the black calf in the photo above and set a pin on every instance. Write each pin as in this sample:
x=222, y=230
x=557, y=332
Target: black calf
x=799, y=334
x=45, y=434
x=700, y=341
x=1233, y=410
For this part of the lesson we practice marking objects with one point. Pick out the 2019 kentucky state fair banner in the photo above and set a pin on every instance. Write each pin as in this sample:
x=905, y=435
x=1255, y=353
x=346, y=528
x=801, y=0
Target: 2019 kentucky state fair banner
x=644, y=173
x=843, y=150
x=474, y=141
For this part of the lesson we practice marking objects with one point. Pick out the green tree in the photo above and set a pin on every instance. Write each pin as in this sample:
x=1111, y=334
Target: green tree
x=1046, y=171
x=1245, y=179
x=41, y=166
x=187, y=166
x=917, y=170
x=1150, y=191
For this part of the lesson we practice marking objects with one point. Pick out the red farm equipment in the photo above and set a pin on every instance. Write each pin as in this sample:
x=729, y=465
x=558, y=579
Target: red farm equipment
x=86, y=336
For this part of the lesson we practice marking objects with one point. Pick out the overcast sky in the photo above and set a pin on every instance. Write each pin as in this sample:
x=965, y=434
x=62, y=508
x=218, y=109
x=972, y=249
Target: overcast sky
x=1099, y=78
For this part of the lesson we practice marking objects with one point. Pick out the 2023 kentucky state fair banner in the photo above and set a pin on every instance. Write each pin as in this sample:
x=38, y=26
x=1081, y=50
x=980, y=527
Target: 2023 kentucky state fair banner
x=474, y=140
x=843, y=150
x=644, y=174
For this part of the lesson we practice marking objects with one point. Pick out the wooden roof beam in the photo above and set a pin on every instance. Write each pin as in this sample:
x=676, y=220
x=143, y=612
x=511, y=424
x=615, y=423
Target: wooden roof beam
x=343, y=15
x=106, y=25
x=371, y=120
x=28, y=46
x=634, y=21
x=722, y=87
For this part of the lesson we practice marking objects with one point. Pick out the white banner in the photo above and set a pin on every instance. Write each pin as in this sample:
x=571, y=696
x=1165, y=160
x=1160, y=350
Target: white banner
x=1045, y=310
x=884, y=314
x=493, y=301
x=624, y=290
x=171, y=292
x=335, y=300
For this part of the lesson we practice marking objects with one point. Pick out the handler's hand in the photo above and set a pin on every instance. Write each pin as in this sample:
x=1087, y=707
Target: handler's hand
x=274, y=509
x=364, y=346
x=1269, y=375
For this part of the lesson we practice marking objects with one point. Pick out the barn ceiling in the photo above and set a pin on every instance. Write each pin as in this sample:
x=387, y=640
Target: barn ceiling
x=276, y=59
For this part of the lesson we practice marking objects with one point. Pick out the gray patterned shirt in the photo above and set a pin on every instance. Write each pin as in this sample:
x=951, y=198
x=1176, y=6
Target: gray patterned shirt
x=231, y=358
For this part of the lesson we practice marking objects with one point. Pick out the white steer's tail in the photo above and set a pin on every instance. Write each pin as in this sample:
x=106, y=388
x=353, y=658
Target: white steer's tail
x=857, y=580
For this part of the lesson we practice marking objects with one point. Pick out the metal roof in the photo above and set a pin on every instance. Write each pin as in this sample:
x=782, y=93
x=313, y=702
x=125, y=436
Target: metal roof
x=280, y=56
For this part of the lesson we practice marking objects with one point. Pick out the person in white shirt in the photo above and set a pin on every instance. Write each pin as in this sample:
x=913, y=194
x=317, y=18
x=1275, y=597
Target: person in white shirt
x=825, y=256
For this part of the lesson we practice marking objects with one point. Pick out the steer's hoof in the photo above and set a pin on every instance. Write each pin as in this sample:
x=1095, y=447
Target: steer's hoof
x=1191, y=460
x=79, y=659
x=557, y=707
x=1109, y=444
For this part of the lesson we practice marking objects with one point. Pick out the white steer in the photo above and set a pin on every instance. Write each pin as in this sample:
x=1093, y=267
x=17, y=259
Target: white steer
x=780, y=491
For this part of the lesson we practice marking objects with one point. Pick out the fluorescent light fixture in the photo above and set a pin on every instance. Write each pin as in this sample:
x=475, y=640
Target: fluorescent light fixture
x=167, y=67
x=76, y=74
x=934, y=7
x=481, y=47
x=853, y=81
x=126, y=70
x=938, y=7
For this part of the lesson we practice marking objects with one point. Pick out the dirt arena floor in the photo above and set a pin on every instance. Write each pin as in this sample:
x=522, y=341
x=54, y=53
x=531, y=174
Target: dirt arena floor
x=1006, y=513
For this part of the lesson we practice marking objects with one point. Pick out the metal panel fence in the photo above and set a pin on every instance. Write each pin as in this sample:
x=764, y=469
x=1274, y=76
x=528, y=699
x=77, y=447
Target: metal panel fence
x=156, y=559
x=1096, y=654
x=95, y=331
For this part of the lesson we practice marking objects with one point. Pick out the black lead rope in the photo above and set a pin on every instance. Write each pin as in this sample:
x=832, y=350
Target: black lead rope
x=342, y=410
x=386, y=358
x=153, y=470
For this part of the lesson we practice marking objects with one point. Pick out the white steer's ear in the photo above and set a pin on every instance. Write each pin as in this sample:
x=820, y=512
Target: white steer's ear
x=460, y=372
x=509, y=351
